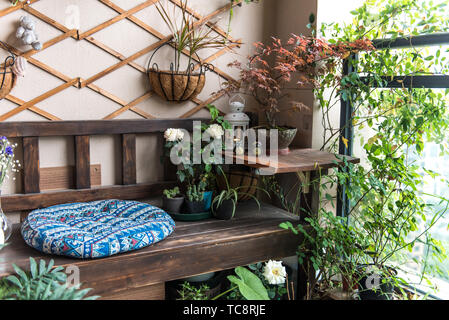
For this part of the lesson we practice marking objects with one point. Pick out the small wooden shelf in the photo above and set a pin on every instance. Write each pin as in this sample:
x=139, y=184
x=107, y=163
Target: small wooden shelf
x=297, y=160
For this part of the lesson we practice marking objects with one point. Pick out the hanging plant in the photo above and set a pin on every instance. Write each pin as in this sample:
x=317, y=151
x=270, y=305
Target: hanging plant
x=189, y=37
x=7, y=77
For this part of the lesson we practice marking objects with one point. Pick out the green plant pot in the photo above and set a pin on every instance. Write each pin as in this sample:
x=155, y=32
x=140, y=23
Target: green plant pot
x=223, y=212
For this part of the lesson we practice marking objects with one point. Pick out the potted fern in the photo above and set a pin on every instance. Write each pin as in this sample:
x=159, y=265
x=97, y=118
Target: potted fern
x=172, y=200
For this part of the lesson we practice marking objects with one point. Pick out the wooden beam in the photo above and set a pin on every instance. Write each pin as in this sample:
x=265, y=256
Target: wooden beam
x=91, y=127
x=82, y=162
x=129, y=164
x=31, y=201
x=31, y=164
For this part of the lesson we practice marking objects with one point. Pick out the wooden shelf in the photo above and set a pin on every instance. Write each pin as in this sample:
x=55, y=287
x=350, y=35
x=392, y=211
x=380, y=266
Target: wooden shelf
x=297, y=160
x=194, y=247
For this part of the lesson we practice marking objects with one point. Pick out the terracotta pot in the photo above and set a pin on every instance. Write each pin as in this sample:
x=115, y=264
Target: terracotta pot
x=176, y=86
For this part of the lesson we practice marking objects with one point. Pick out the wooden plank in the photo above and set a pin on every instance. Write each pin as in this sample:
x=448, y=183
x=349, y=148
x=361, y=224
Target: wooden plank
x=31, y=164
x=56, y=178
x=18, y=202
x=82, y=162
x=297, y=160
x=92, y=127
x=151, y=292
x=129, y=164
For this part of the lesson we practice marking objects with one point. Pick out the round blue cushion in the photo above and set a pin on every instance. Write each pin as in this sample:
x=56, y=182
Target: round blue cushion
x=96, y=229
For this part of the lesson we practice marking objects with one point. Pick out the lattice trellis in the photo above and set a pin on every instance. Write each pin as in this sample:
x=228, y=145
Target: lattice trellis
x=81, y=83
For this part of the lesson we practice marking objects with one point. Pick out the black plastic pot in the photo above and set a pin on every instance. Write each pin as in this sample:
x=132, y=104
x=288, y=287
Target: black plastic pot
x=194, y=207
x=376, y=285
x=172, y=205
x=224, y=211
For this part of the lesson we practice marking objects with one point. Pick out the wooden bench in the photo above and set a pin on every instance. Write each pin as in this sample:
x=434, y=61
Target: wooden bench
x=194, y=248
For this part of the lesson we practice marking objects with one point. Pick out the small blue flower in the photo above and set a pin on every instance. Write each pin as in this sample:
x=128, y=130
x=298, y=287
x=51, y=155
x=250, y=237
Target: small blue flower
x=9, y=151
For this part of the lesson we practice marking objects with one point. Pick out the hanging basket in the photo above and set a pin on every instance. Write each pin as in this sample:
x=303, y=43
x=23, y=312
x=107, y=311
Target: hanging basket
x=7, y=81
x=175, y=85
x=247, y=181
x=7, y=78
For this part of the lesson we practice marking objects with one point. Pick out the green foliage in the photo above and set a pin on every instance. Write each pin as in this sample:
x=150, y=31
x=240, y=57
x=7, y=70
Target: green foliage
x=190, y=292
x=43, y=282
x=232, y=194
x=275, y=291
x=171, y=193
x=249, y=285
x=388, y=215
x=194, y=194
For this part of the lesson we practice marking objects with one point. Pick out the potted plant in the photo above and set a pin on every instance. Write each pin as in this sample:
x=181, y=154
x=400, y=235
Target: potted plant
x=274, y=70
x=225, y=202
x=195, y=200
x=172, y=200
x=190, y=37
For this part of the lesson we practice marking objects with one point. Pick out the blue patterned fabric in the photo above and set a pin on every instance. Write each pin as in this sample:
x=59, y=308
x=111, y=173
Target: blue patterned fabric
x=96, y=229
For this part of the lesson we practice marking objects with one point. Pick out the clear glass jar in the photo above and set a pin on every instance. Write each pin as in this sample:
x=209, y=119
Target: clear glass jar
x=5, y=227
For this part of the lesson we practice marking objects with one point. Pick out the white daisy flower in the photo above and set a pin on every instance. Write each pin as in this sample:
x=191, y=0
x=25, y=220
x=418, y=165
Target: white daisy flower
x=274, y=272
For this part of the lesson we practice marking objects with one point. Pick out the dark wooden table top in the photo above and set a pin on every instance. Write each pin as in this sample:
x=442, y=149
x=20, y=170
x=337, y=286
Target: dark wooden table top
x=193, y=248
x=297, y=160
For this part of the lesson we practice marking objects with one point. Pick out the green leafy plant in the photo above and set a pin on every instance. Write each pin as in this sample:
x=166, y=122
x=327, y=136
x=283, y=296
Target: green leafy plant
x=171, y=193
x=190, y=292
x=232, y=194
x=190, y=35
x=194, y=194
x=248, y=284
x=43, y=282
x=388, y=214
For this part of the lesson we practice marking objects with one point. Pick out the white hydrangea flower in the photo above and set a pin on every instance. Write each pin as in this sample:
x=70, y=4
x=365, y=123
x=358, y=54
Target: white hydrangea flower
x=215, y=131
x=274, y=272
x=172, y=134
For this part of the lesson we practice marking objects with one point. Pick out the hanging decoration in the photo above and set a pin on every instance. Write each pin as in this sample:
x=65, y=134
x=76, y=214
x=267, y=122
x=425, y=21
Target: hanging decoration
x=7, y=78
x=176, y=85
x=27, y=34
